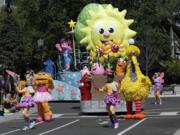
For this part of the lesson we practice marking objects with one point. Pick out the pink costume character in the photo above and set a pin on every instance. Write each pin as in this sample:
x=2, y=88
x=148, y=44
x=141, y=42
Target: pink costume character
x=65, y=47
x=43, y=82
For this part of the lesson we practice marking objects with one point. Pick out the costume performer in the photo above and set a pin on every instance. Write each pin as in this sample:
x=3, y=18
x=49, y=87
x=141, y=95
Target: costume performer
x=134, y=86
x=85, y=84
x=65, y=47
x=42, y=83
x=111, y=98
x=157, y=86
x=48, y=66
x=120, y=68
x=26, y=103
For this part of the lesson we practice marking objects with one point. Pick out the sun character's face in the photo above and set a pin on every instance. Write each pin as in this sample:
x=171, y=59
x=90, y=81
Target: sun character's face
x=106, y=24
x=105, y=30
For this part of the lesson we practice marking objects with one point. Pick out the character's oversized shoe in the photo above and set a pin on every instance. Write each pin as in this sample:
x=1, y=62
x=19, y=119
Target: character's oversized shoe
x=139, y=116
x=128, y=116
x=39, y=119
x=48, y=118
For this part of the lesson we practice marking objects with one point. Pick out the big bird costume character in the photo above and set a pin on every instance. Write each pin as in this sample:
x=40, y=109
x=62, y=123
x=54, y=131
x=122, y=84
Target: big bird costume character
x=134, y=86
x=43, y=82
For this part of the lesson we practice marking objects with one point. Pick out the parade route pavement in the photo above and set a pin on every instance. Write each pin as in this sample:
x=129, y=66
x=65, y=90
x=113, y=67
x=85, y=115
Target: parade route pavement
x=160, y=120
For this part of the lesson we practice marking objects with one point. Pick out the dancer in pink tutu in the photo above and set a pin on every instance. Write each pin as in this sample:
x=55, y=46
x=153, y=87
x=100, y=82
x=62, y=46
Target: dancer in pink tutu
x=26, y=103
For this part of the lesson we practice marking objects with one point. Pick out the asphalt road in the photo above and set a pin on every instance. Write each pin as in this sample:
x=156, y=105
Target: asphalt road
x=160, y=120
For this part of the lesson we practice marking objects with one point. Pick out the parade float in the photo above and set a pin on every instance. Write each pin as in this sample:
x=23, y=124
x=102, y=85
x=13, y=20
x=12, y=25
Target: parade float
x=66, y=86
x=105, y=32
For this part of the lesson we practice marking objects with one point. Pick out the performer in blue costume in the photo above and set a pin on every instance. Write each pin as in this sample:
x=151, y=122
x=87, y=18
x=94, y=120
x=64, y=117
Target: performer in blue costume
x=48, y=66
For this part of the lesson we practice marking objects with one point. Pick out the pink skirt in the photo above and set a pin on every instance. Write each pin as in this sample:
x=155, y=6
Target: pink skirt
x=42, y=97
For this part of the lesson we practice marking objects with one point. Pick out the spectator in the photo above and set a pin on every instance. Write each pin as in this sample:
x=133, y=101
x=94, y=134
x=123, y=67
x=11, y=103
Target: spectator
x=1, y=94
x=10, y=104
x=1, y=89
x=1, y=83
x=9, y=84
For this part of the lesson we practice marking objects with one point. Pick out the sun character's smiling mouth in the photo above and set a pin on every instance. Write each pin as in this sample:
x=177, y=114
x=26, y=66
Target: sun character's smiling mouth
x=105, y=42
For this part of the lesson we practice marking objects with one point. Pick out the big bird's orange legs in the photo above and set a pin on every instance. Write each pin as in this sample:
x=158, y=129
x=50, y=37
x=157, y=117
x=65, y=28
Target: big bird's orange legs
x=138, y=114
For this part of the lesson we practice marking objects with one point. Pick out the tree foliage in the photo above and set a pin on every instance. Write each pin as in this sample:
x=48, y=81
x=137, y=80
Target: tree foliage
x=48, y=19
x=172, y=70
x=10, y=44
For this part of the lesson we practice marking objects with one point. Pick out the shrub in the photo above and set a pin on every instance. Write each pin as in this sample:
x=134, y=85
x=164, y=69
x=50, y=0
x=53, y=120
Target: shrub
x=172, y=71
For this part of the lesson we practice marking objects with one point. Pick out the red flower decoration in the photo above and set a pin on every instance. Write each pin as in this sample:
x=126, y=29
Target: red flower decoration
x=114, y=48
x=100, y=51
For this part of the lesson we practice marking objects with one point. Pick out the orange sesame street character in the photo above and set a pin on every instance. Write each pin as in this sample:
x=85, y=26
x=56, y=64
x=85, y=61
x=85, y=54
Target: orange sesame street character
x=120, y=66
x=43, y=82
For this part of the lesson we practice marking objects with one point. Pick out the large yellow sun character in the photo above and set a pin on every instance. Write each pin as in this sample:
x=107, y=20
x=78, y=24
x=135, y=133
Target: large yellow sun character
x=106, y=24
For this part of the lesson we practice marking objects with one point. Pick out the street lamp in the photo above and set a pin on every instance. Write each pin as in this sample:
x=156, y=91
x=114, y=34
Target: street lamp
x=8, y=5
x=40, y=43
x=174, y=22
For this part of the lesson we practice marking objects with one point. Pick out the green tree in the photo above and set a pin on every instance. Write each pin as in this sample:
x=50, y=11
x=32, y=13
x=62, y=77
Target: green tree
x=46, y=19
x=152, y=35
x=172, y=70
x=169, y=12
x=10, y=44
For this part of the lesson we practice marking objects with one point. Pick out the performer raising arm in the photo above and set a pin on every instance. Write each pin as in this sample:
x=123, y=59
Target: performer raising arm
x=111, y=99
x=26, y=103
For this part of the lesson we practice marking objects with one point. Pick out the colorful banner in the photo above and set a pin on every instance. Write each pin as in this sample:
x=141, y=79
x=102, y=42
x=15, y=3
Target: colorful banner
x=71, y=78
x=67, y=89
x=65, y=92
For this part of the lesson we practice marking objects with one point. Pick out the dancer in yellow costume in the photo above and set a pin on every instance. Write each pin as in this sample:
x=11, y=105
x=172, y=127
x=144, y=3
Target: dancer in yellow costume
x=43, y=82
